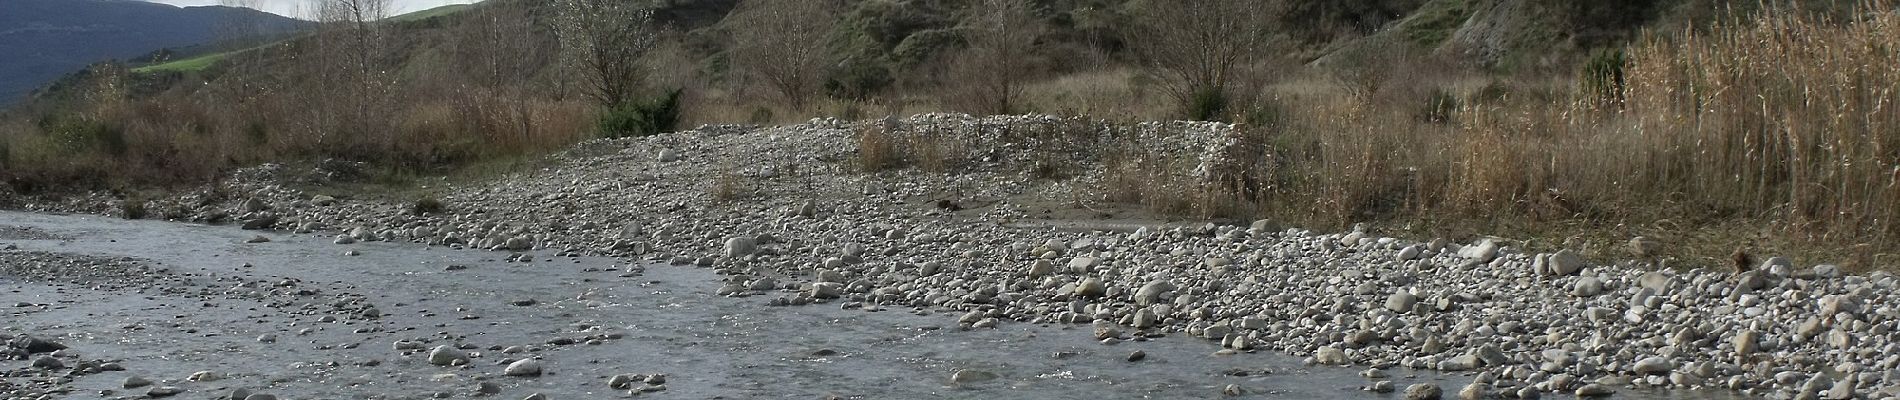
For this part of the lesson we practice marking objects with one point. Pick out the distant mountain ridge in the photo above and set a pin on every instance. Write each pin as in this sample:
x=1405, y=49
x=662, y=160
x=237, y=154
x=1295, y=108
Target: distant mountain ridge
x=41, y=40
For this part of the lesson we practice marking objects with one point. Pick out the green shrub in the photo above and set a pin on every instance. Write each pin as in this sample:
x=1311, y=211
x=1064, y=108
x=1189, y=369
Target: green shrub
x=1603, y=77
x=428, y=205
x=1208, y=105
x=1440, y=106
x=643, y=119
x=80, y=135
x=132, y=208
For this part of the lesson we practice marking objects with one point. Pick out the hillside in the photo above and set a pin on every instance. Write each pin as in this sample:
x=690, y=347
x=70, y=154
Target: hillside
x=44, y=39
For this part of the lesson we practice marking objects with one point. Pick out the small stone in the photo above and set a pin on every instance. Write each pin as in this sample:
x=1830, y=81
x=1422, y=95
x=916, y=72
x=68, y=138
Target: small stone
x=1644, y=246
x=488, y=388
x=1587, y=287
x=1041, y=268
x=971, y=376
x=1330, y=355
x=1747, y=343
x=741, y=246
x=261, y=396
x=1381, y=387
x=1564, y=263
x=1138, y=355
x=1410, y=253
x=825, y=290
x=1152, y=292
x=1594, y=390
x=1475, y=391
x=1424, y=391
x=668, y=155
x=258, y=239
x=1091, y=287
x=267, y=338
x=1401, y=302
x=525, y=367
x=446, y=355
x=133, y=382
x=48, y=362
x=1233, y=390
x=164, y=391
x=536, y=396
x=1653, y=366
x=1483, y=252
x=204, y=376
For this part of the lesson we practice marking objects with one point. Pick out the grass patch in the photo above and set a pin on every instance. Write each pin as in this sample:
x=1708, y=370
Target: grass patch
x=193, y=64
x=431, y=13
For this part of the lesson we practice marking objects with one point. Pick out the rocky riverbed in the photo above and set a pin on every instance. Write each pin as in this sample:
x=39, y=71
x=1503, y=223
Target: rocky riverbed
x=775, y=223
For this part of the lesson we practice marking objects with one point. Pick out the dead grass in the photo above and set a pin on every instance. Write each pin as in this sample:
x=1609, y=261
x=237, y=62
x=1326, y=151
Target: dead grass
x=1777, y=135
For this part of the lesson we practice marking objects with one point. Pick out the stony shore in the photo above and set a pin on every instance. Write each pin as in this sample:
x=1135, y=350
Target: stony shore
x=783, y=216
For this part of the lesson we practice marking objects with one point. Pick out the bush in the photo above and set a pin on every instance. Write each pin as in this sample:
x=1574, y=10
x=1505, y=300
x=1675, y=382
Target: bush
x=1208, y=105
x=132, y=208
x=1439, y=107
x=81, y=134
x=648, y=119
x=428, y=205
x=1603, y=77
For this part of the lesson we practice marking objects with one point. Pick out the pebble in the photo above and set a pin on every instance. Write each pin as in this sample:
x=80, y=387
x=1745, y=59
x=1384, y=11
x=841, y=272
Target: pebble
x=526, y=367
x=446, y=355
x=971, y=376
x=1423, y=391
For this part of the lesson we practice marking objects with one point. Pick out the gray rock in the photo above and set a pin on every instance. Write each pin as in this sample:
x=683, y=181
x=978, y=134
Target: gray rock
x=205, y=376
x=518, y=243
x=1565, y=263
x=1594, y=390
x=1331, y=355
x=971, y=376
x=133, y=382
x=1645, y=247
x=260, y=396
x=525, y=367
x=1844, y=390
x=1410, y=253
x=446, y=355
x=825, y=290
x=1653, y=366
x=741, y=246
x=1483, y=251
x=164, y=391
x=1460, y=363
x=1401, y=302
x=668, y=155
x=1041, y=268
x=48, y=362
x=1152, y=292
x=1424, y=391
x=1475, y=391
x=1091, y=287
x=1587, y=287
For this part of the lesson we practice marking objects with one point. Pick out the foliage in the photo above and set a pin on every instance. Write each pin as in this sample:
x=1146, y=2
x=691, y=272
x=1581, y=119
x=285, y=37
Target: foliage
x=1604, y=77
x=658, y=116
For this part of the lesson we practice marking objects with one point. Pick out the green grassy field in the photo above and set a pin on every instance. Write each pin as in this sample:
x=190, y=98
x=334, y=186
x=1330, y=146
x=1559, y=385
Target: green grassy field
x=431, y=13
x=193, y=64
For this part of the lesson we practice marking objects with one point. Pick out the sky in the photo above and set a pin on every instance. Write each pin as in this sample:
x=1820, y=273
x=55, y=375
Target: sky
x=294, y=8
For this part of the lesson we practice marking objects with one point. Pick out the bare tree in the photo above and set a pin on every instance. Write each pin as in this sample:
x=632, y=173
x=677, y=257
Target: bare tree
x=1199, y=49
x=352, y=87
x=992, y=71
x=785, y=45
x=603, y=41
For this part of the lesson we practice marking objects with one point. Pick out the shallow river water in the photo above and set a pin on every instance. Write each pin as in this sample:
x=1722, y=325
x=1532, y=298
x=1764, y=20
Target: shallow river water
x=668, y=317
